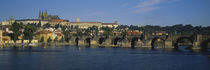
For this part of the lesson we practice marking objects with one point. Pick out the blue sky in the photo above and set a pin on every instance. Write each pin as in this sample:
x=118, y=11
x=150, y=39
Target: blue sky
x=129, y=12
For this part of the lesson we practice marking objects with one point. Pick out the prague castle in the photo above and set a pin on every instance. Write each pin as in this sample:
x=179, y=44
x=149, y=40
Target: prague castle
x=44, y=18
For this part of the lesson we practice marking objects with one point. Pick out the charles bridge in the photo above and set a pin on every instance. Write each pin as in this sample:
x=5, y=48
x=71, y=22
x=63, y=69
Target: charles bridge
x=145, y=41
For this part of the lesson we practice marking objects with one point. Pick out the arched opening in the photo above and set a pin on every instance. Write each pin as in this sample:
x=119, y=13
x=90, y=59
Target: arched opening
x=88, y=41
x=116, y=40
x=142, y=37
x=101, y=40
x=183, y=43
x=157, y=42
x=205, y=45
x=67, y=39
x=77, y=41
x=133, y=42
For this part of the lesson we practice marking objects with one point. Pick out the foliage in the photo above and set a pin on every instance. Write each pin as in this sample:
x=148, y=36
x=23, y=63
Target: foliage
x=79, y=32
x=57, y=26
x=15, y=27
x=47, y=25
x=42, y=39
x=66, y=35
x=107, y=31
x=94, y=29
x=175, y=29
x=39, y=24
x=87, y=32
x=29, y=32
x=49, y=40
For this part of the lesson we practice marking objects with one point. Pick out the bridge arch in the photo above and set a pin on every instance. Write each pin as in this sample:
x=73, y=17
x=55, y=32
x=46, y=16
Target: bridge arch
x=142, y=37
x=101, y=40
x=133, y=42
x=181, y=39
x=155, y=40
x=77, y=41
x=204, y=45
x=116, y=40
x=88, y=41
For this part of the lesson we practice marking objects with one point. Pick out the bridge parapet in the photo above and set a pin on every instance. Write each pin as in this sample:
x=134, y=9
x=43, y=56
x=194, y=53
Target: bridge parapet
x=136, y=41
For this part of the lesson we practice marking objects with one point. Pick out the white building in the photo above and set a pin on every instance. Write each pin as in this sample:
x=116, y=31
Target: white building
x=1, y=36
x=32, y=21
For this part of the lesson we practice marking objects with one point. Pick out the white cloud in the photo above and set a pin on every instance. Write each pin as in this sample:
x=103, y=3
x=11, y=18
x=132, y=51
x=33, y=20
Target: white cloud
x=149, y=5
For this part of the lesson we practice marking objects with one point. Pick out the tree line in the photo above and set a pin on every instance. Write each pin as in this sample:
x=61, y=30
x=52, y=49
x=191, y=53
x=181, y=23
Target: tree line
x=175, y=29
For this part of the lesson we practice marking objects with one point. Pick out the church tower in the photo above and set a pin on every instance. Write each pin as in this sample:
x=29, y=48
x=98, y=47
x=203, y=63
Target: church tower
x=78, y=19
x=45, y=15
x=116, y=23
x=40, y=15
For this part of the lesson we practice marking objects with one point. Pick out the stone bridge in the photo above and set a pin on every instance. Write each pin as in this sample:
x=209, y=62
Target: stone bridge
x=147, y=41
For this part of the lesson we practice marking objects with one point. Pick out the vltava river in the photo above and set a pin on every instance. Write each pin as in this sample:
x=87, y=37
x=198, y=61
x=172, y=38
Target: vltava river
x=74, y=58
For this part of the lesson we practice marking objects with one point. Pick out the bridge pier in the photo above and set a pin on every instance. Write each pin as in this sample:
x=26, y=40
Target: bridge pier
x=169, y=44
x=196, y=45
x=129, y=41
x=126, y=43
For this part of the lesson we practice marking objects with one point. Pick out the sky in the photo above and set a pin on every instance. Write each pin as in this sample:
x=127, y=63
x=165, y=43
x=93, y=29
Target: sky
x=126, y=12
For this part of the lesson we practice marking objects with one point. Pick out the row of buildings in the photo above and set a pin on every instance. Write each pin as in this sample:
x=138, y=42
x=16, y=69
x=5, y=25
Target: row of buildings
x=44, y=18
x=44, y=33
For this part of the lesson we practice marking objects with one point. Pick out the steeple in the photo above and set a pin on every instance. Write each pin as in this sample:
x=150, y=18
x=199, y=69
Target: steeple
x=45, y=14
x=116, y=23
x=78, y=19
x=12, y=20
x=40, y=15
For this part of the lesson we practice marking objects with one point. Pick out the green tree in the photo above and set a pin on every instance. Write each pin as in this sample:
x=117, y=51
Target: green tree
x=57, y=26
x=87, y=32
x=42, y=39
x=47, y=25
x=76, y=27
x=71, y=27
x=79, y=32
x=39, y=24
x=94, y=29
x=124, y=33
x=66, y=35
x=15, y=27
x=96, y=32
x=29, y=32
x=49, y=40
x=107, y=31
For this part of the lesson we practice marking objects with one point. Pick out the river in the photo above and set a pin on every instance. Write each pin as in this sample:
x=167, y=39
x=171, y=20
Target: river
x=75, y=58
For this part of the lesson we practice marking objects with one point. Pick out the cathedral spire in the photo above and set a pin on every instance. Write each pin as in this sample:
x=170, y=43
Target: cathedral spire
x=115, y=22
x=45, y=14
x=40, y=15
x=78, y=19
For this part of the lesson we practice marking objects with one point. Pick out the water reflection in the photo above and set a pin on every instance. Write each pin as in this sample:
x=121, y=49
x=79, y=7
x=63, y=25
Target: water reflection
x=84, y=58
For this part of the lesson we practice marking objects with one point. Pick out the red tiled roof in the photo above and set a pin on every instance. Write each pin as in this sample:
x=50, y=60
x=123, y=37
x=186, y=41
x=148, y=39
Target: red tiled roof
x=133, y=32
x=107, y=23
x=44, y=32
x=57, y=20
x=5, y=39
x=59, y=34
x=85, y=22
